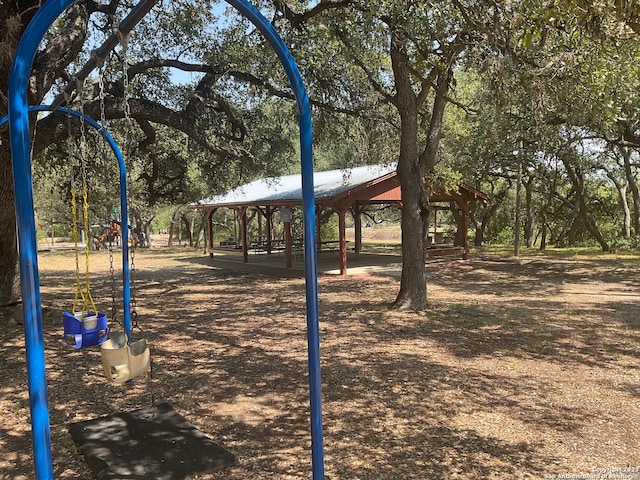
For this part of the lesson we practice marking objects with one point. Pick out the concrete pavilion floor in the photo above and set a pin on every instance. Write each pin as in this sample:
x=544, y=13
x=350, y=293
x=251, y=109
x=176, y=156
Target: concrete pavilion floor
x=328, y=263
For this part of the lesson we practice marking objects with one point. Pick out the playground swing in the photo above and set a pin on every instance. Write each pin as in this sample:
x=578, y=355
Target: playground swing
x=84, y=326
x=123, y=360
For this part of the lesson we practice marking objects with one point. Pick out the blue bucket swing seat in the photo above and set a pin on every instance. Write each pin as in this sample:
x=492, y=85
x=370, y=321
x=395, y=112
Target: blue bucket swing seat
x=85, y=329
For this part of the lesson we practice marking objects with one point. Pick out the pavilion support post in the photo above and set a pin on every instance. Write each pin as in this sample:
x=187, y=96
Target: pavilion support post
x=269, y=226
x=435, y=227
x=260, y=232
x=342, y=227
x=236, y=233
x=288, y=239
x=357, y=222
x=245, y=234
x=318, y=232
x=209, y=223
x=464, y=226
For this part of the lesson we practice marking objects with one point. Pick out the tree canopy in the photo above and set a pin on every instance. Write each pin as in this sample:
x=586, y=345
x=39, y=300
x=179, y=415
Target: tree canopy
x=465, y=90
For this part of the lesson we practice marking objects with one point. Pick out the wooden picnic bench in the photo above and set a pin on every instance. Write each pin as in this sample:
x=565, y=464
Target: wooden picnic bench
x=444, y=251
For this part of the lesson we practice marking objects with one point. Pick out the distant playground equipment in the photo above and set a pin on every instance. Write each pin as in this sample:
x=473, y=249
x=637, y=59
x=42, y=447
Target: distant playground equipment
x=110, y=235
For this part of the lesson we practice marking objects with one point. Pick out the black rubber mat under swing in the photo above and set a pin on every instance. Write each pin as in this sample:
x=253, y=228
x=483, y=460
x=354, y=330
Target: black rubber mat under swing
x=151, y=443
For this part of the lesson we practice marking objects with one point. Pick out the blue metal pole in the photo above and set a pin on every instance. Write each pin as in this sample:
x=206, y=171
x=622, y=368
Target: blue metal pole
x=126, y=271
x=308, y=207
x=21, y=156
x=23, y=191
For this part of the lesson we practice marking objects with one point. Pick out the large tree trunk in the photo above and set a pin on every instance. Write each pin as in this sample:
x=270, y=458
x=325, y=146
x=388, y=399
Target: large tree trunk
x=564, y=238
x=413, y=285
x=415, y=215
x=458, y=239
x=633, y=187
x=8, y=241
x=411, y=172
x=582, y=214
x=529, y=222
x=478, y=239
x=621, y=188
x=482, y=217
x=543, y=230
x=188, y=226
x=626, y=227
x=174, y=227
x=594, y=229
x=48, y=63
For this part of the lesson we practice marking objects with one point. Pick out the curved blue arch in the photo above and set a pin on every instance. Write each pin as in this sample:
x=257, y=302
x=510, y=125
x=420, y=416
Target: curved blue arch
x=122, y=170
x=21, y=157
x=308, y=210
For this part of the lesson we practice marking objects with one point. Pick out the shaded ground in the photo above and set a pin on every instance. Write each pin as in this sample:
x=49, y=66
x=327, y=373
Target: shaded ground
x=519, y=369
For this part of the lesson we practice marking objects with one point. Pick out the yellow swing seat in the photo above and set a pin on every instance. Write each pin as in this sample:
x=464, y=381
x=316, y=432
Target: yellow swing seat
x=122, y=361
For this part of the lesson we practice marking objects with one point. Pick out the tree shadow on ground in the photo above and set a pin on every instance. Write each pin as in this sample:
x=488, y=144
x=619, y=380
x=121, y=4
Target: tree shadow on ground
x=405, y=395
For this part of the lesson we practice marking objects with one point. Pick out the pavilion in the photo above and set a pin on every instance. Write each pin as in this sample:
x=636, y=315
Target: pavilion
x=340, y=191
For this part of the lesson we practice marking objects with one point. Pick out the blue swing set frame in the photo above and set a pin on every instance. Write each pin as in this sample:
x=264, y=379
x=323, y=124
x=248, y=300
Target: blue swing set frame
x=122, y=177
x=18, y=118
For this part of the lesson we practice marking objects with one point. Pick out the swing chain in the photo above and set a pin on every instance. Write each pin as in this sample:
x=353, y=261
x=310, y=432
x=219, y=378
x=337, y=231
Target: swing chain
x=114, y=309
x=124, y=41
x=81, y=84
x=134, y=313
x=74, y=225
x=87, y=299
x=101, y=94
x=71, y=157
x=73, y=163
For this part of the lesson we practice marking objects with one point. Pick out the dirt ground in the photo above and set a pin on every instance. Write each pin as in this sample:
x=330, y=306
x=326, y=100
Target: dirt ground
x=519, y=369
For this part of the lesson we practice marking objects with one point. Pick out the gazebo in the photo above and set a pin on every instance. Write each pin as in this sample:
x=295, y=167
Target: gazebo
x=341, y=191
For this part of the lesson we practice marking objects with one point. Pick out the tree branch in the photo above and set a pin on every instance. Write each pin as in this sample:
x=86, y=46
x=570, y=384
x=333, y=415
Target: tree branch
x=370, y=76
x=51, y=129
x=149, y=135
x=61, y=49
x=297, y=20
x=199, y=101
x=238, y=75
x=108, y=9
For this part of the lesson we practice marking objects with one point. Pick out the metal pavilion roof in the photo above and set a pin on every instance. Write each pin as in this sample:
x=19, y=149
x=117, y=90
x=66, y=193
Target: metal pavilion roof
x=288, y=188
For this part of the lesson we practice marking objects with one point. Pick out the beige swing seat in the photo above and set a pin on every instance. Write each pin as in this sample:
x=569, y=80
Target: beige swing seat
x=122, y=361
